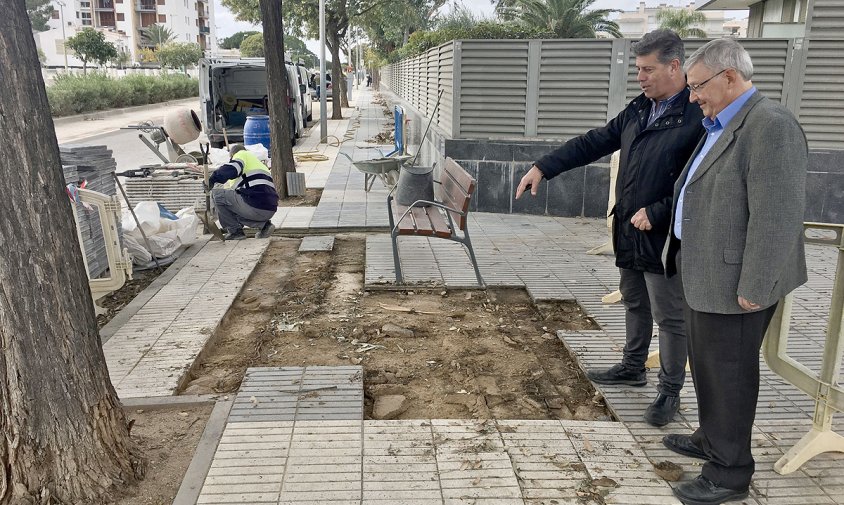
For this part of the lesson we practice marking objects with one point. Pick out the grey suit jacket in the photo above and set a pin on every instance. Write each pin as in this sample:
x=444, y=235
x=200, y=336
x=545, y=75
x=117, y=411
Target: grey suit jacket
x=743, y=213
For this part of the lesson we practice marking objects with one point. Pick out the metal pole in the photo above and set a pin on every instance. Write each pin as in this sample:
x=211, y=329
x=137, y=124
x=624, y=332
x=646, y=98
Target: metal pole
x=64, y=37
x=323, y=88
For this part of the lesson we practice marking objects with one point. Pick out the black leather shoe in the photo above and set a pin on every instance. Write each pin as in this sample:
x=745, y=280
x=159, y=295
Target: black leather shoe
x=618, y=374
x=702, y=491
x=662, y=410
x=682, y=444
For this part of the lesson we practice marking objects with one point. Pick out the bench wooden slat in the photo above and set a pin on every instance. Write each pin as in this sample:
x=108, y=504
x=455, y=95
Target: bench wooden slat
x=425, y=221
x=457, y=188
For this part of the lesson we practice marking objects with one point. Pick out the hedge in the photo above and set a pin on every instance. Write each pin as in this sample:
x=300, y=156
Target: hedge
x=75, y=94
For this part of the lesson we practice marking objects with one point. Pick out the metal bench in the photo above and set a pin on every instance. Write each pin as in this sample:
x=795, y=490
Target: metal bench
x=446, y=217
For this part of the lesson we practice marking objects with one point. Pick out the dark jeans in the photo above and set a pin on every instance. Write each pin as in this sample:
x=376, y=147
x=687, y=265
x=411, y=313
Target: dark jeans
x=648, y=297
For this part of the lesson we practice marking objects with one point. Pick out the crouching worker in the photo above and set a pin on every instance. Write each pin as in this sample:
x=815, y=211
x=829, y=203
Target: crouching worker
x=251, y=202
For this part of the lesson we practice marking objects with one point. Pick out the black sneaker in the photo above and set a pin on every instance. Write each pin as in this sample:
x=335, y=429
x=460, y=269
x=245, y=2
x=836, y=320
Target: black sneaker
x=235, y=235
x=618, y=374
x=266, y=231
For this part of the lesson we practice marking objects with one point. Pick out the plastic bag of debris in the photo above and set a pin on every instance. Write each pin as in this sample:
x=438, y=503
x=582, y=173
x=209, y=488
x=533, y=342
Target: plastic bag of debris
x=164, y=235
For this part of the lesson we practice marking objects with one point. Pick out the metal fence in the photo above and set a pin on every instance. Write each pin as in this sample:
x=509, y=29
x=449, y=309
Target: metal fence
x=556, y=89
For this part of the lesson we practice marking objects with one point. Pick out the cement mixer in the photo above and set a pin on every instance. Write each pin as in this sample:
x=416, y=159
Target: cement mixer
x=181, y=126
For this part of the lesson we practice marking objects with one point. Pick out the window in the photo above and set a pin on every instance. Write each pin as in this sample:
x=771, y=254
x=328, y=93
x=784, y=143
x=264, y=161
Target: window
x=118, y=1
x=160, y=2
x=85, y=5
x=55, y=14
x=162, y=18
x=121, y=16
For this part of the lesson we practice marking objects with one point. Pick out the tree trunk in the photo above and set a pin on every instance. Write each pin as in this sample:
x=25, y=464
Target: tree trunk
x=65, y=437
x=282, y=149
x=336, y=76
x=344, y=92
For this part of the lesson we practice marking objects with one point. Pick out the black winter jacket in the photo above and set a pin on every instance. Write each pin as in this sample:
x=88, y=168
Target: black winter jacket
x=652, y=158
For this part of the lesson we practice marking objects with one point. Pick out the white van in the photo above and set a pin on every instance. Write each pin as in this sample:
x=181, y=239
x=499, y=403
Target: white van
x=230, y=90
x=307, y=101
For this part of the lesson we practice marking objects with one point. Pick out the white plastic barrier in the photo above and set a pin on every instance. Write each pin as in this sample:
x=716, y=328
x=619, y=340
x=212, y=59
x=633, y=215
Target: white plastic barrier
x=119, y=262
x=823, y=387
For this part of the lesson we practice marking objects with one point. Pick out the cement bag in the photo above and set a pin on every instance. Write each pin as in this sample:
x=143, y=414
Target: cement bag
x=218, y=157
x=148, y=215
x=139, y=253
x=164, y=244
x=186, y=225
x=259, y=151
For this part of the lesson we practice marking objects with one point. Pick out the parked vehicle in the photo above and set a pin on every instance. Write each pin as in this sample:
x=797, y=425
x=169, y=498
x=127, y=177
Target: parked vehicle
x=307, y=105
x=230, y=90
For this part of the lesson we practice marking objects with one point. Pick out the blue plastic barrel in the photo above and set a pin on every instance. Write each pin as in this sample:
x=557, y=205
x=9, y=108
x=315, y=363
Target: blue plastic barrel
x=257, y=131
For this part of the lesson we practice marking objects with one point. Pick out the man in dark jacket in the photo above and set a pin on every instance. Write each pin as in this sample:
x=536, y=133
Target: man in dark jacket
x=252, y=202
x=657, y=133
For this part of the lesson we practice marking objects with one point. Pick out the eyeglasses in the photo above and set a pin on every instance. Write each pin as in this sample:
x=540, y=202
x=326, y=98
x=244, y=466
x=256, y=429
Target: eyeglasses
x=695, y=87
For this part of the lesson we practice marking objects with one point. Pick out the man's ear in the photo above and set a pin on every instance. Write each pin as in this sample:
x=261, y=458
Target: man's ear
x=676, y=66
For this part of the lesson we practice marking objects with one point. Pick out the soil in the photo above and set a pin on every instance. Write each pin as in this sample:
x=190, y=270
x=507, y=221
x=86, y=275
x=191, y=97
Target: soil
x=167, y=438
x=114, y=302
x=450, y=353
x=309, y=199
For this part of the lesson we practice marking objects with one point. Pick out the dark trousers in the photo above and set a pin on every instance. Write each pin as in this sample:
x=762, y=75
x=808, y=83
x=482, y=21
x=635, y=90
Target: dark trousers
x=648, y=297
x=724, y=358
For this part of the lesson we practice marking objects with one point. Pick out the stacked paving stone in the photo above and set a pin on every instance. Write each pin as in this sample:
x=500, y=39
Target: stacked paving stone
x=171, y=192
x=94, y=164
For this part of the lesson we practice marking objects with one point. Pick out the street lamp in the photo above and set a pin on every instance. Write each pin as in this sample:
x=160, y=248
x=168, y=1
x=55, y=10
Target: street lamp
x=323, y=115
x=64, y=37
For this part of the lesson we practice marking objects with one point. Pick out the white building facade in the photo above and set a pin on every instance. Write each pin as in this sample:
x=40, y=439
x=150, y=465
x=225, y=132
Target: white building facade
x=122, y=22
x=636, y=23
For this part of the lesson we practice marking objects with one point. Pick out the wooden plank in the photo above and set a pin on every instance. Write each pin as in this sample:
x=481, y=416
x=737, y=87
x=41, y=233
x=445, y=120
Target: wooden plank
x=423, y=224
x=439, y=223
x=457, y=189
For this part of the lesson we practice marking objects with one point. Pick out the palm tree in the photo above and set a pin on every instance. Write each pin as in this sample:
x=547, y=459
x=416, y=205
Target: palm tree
x=157, y=35
x=568, y=19
x=681, y=21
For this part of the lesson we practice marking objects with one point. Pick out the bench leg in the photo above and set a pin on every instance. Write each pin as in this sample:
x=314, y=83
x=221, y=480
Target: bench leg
x=394, y=238
x=468, y=243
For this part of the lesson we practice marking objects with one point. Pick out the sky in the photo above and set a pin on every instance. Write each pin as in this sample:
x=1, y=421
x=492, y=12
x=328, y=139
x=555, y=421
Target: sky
x=227, y=25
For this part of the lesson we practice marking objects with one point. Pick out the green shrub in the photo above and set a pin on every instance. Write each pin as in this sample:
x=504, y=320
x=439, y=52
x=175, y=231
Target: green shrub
x=75, y=94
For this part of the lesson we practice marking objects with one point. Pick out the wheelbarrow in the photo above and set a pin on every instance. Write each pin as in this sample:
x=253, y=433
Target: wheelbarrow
x=386, y=169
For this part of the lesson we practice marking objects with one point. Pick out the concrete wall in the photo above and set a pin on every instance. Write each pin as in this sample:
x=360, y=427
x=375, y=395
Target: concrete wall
x=499, y=164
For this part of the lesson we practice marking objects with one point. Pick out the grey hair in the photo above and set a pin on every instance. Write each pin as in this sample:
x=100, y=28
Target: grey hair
x=721, y=54
x=665, y=43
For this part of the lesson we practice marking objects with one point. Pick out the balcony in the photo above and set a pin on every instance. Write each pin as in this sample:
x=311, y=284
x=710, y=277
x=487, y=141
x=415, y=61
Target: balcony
x=104, y=5
x=204, y=29
x=145, y=6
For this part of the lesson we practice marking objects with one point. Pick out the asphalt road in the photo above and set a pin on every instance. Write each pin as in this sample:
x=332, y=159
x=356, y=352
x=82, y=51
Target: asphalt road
x=129, y=152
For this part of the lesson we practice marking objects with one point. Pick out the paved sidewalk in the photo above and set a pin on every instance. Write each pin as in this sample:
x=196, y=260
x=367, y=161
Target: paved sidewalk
x=151, y=353
x=269, y=453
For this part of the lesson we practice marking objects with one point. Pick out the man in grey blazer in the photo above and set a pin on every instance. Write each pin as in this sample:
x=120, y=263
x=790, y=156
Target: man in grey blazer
x=737, y=243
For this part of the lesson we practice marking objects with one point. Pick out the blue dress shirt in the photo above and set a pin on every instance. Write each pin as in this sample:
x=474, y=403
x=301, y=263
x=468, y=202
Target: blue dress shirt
x=714, y=129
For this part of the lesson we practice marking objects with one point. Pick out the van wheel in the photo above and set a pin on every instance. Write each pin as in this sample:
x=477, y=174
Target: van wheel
x=218, y=145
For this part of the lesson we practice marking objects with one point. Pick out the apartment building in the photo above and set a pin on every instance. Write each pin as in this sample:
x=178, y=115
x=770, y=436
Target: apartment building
x=122, y=22
x=636, y=23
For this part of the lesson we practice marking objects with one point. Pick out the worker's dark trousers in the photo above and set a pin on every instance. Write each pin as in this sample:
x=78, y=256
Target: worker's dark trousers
x=648, y=297
x=235, y=213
